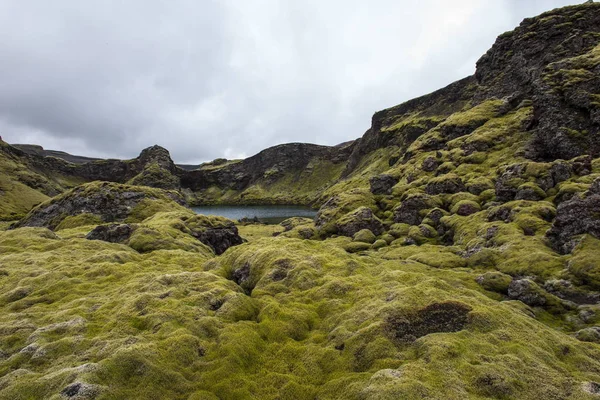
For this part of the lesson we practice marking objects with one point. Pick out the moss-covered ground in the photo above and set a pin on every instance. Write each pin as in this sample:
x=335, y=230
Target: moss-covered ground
x=274, y=318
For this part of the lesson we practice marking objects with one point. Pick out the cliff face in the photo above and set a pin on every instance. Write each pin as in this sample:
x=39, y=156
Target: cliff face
x=551, y=60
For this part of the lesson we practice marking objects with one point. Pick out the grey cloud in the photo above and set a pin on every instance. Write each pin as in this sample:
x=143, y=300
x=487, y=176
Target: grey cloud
x=209, y=79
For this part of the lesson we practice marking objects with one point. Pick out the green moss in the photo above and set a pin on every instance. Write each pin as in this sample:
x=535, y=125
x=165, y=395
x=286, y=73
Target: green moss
x=76, y=221
x=585, y=265
x=365, y=236
x=495, y=281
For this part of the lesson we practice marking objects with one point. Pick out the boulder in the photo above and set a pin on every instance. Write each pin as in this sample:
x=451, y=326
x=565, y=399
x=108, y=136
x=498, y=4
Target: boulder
x=409, y=210
x=114, y=233
x=528, y=292
x=591, y=335
x=382, y=184
x=429, y=164
x=364, y=236
x=361, y=218
x=575, y=217
x=445, y=185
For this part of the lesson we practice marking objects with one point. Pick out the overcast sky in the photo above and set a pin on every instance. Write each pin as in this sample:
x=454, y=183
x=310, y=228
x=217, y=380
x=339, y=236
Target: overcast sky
x=228, y=78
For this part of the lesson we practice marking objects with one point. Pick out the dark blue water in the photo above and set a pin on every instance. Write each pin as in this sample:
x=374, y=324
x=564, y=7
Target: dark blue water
x=265, y=214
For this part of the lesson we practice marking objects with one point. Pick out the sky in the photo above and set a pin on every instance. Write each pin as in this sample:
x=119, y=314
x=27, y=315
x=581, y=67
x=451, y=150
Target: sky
x=208, y=79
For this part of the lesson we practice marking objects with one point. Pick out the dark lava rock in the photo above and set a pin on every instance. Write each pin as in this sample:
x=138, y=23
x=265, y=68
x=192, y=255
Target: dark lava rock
x=114, y=233
x=575, y=217
x=592, y=387
x=528, y=193
x=565, y=290
x=506, y=189
x=409, y=211
x=409, y=325
x=219, y=238
x=535, y=62
x=242, y=274
x=429, y=164
x=446, y=185
x=382, y=184
x=357, y=220
x=467, y=209
x=80, y=391
x=594, y=188
x=560, y=172
x=503, y=214
x=528, y=292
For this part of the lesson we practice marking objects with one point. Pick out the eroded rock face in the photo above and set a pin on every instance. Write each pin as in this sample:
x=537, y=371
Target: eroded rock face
x=219, y=238
x=109, y=201
x=409, y=211
x=357, y=220
x=408, y=326
x=575, y=217
x=114, y=233
x=543, y=60
x=528, y=292
x=382, y=184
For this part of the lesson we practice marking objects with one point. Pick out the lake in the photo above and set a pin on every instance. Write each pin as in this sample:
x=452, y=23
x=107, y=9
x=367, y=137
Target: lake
x=266, y=214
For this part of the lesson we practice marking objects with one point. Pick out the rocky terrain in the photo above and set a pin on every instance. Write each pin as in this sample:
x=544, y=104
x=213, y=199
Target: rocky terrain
x=455, y=254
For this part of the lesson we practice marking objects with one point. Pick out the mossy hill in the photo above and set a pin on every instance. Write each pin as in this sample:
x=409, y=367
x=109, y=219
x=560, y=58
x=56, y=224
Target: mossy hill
x=455, y=254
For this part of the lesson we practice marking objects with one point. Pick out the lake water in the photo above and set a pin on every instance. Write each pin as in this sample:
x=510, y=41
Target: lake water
x=266, y=214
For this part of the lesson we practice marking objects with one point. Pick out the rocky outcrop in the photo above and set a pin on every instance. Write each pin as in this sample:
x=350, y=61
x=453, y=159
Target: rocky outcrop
x=269, y=165
x=551, y=59
x=382, y=184
x=357, y=220
x=114, y=233
x=219, y=238
x=109, y=201
x=394, y=127
x=575, y=217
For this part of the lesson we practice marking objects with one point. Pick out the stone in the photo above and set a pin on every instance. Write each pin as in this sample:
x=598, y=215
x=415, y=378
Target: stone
x=382, y=184
x=591, y=335
x=361, y=218
x=575, y=217
x=219, y=238
x=429, y=164
x=528, y=292
x=364, y=236
x=114, y=233
x=409, y=210
x=409, y=325
x=80, y=391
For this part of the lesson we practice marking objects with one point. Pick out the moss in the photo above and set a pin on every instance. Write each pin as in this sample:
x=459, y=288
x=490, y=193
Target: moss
x=495, y=281
x=378, y=244
x=355, y=247
x=465, y=207
x=440, y=259
x=365, y=236
x=76, y=221
x=584, y=264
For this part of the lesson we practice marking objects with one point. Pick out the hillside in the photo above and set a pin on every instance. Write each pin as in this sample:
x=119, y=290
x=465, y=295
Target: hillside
x=454, y=254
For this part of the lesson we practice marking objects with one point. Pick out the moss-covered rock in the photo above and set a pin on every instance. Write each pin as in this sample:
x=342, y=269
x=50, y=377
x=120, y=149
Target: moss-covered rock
x=105, y=201
x=365, y=236
x=495, y=281
x=357, y=220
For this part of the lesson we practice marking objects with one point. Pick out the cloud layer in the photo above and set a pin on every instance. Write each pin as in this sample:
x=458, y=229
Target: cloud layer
x=210, y=78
